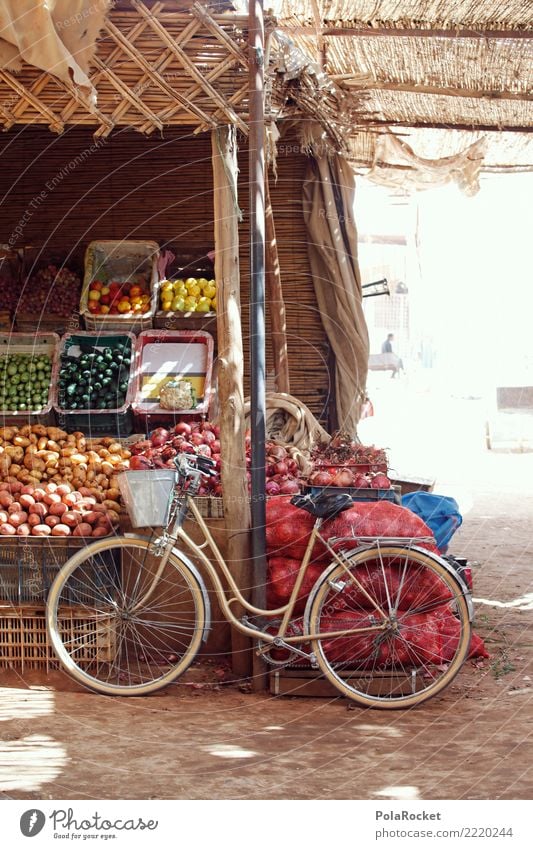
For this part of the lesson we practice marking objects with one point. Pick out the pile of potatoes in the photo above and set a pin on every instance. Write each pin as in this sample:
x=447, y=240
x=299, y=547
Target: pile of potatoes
x=34, y=455
x=53, y=509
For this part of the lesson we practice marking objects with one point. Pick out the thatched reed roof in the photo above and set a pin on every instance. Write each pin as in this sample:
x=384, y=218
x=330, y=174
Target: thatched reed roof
x=425, y=64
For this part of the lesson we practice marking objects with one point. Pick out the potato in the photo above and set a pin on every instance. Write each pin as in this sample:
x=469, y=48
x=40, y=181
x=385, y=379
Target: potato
x=14, y=507
x=56, y=433
x=58, y=508
x=42, y=443
x=112, y=505
x=76, y=459
x=107, y=468
x=34, y=463
x=24, y=530
x=34, y=519
x=113, y=517
x=52, y=521
x=72, y=518
x=23, y=441
x=7, y=433
x=39, y=430
x=71, y=498
x=64, y=489
x=100, y=532
x=26, y=500
x=39, y=493
x=5, y=463
x=113, y=495
x=52, y=498
x=5, y=516
x=38, y=509
x=6, y=499
x=18, y=517
x=6, y=529
x=82, y=530
x=61, y=531
x=51, y=487
x=41, y=530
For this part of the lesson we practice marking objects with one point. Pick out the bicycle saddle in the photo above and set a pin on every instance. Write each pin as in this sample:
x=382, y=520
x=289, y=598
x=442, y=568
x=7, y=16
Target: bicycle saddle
x=325, y=505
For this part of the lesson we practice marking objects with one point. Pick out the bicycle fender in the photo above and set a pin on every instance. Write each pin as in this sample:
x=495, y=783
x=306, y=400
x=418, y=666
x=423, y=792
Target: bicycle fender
x=179, y=554
x=465, y=589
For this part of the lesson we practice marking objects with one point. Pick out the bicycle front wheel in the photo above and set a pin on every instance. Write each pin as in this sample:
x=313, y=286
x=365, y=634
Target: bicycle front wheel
x=408, y=621
x=115, y=631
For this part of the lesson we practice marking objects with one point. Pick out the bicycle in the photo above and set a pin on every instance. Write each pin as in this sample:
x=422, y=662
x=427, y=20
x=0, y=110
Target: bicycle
x=388, y=622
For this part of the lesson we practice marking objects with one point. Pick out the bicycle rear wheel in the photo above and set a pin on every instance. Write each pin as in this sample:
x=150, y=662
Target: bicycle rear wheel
x=410, y=623
x=110, y=632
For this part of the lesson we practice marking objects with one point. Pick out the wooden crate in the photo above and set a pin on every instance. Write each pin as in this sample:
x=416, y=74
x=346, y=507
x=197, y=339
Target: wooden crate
x=24, y=643
x=311, y=683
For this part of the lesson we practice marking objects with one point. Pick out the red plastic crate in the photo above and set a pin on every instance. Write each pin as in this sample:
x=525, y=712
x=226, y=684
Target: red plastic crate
x=161, y=355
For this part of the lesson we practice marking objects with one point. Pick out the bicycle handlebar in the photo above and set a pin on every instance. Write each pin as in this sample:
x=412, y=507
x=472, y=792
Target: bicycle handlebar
x=195, y=462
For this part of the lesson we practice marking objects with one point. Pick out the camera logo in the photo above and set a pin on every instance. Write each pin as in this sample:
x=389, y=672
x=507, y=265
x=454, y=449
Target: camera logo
x=32, y=822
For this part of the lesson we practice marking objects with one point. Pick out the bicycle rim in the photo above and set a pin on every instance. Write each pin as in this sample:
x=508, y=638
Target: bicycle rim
x=412, y=621
x=110, y=639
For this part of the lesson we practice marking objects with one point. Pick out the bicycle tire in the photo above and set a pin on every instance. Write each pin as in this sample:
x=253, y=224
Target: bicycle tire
x=106, y=645
x=422, y=648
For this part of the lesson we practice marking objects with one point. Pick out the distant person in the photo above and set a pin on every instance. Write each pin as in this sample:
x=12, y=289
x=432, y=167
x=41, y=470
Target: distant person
x=386, y=348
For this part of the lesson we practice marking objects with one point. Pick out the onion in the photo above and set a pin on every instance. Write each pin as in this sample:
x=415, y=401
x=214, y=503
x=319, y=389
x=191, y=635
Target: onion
x=138, y=462
x=215, y=446
x=361, y=481
x=204, y=450
x=289, y=487
x=320, y=479
x=270, y=470
x=141, y=446
x=159, y=437
x=216, y=431
x=272, y=488
x=209, y=437
x=281, y=468
x=207, y=427
x=187, y=448
x=183, y=428
x=197, y=438
x=277, y=451
x=380, y=481
x=292, y=466
x=343, y=477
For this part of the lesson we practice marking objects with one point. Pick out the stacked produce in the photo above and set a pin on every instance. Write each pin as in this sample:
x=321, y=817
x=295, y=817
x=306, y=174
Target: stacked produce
x=343, y=462
x=35, y=455
x=433, y=625
x=51, y=291
x=96, y=380
x=194, y=294
x=282, y=469
x=128, y=298
x=24, y=381
x=53, y=510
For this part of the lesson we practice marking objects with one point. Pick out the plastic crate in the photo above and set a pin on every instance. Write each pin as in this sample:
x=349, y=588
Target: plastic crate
x=109, y=260
x=161, y=355
x=35, y=258
x=31, y=343
x=28, y=565
x=24, y=642
x=118, y=422
x=365, y=494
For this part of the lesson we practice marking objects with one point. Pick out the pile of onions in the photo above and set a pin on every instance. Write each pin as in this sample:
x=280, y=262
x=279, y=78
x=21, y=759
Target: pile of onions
x=346, y=477
x=159, y=450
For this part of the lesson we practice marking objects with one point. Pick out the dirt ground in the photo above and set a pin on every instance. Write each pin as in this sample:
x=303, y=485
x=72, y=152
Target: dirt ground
x=208, y=737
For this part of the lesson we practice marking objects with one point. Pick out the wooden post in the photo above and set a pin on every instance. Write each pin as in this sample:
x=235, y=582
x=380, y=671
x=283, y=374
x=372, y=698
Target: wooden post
x=230, y=374
x=278, y=324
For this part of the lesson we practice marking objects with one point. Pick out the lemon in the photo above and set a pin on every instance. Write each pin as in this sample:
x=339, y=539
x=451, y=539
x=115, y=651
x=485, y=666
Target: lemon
x=166, y=306
x=178, y=303
x=193, y=288
x=210, y=290
x=190, y=304
x=203, y=305
x=214, y=304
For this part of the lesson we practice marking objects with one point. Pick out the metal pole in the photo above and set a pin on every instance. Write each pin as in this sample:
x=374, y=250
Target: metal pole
x=257, y=295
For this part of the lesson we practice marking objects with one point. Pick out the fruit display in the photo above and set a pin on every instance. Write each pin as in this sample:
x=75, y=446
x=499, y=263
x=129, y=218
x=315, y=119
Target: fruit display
x=158, y=451
x=127, y=298
x=24, y=381
x=345, y=463
x=97, y=379
x=192, y=294
x=53, y=509
x=35, y=454
x=51, y=291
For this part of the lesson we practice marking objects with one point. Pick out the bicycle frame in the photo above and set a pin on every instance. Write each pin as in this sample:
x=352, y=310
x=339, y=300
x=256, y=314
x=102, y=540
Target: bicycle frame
x=184, y=503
